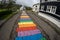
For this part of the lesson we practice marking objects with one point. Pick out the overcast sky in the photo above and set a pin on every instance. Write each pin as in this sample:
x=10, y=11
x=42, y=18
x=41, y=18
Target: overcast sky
x=27, y=2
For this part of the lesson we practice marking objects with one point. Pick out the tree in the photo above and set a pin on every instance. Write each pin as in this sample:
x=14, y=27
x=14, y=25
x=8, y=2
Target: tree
x=7, y=3
x=28, y=8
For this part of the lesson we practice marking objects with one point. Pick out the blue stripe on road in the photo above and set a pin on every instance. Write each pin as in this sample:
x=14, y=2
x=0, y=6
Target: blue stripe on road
x=32, y=37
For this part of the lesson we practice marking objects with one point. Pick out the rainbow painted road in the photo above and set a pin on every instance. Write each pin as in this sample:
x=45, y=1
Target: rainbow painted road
x=27, y=30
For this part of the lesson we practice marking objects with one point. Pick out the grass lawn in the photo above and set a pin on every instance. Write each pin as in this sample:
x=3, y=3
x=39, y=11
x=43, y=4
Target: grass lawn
x=5, y=15
x=2, y=10
x=10, y=15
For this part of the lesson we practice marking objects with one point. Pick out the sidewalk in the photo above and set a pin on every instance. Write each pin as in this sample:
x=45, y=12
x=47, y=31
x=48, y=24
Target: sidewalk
x=55, y=23
x=7, y=27
x=6, y=19
x=50, y=18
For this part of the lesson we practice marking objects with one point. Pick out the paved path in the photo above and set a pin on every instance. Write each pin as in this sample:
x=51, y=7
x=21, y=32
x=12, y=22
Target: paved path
x=7, y=28
x=27, y=29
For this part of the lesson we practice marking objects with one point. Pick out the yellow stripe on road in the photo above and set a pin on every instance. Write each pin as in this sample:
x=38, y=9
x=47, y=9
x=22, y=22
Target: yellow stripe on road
x=25, y=23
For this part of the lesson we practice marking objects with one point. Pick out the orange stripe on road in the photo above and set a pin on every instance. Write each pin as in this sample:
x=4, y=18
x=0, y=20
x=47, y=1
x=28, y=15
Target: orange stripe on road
x=24, y=16
x=25, y=29
x=26, y=25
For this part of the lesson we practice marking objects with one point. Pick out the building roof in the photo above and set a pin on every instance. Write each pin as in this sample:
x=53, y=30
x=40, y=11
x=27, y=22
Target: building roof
x=36, y=4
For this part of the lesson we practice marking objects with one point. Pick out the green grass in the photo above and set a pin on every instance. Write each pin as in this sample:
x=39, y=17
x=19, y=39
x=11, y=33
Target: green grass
x=2, y=10
x=8, y=16
x=5, y=14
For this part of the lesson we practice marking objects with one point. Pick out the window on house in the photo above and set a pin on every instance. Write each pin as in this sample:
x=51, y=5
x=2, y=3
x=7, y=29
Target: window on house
x=36, y=7
x=53, y=10
x=42, y=8
x=48, y=8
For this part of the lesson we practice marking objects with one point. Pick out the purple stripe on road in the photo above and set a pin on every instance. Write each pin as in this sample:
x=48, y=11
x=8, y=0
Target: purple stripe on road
x=27, y=33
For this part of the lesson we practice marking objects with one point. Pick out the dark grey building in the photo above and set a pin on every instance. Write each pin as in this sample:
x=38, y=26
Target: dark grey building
x=51, y=7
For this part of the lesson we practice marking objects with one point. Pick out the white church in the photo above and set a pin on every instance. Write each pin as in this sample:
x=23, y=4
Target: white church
x=35, y=7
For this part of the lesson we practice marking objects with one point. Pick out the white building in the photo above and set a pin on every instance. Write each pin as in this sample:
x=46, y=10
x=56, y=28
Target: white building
x=35, y=7
x=22, y=8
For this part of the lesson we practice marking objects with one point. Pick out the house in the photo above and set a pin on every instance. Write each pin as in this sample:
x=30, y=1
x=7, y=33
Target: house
x=22, y=8
x=51, y=7
x=35, y=7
